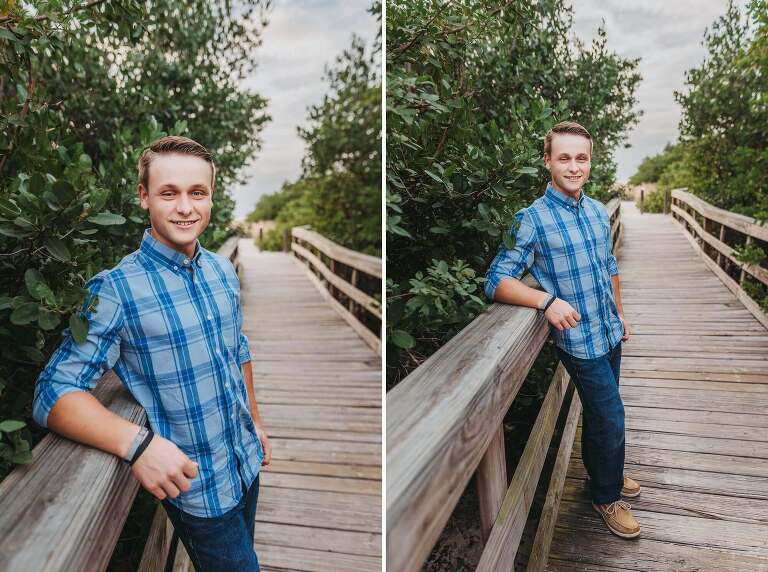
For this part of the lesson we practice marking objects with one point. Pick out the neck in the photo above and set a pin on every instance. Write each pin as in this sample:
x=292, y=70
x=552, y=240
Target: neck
x=575, y=195
x=188, y=251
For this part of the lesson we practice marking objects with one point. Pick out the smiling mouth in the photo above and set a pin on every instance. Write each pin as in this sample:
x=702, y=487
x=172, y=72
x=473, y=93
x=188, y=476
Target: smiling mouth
x=184, y=223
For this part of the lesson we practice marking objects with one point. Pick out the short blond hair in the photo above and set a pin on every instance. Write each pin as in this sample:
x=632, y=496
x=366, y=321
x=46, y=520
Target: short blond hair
x=172, y=144
x=566, y=127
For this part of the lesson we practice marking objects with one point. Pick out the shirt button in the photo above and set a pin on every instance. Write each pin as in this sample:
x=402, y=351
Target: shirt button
x=226, y=385
x=186, y=261
x=210, y=317
x=232, y=416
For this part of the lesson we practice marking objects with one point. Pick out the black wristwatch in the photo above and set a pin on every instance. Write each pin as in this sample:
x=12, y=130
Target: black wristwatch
x=548, y=304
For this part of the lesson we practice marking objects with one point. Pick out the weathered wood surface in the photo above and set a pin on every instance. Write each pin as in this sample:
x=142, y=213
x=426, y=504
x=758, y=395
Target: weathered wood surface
x=318, y=385
x=695, y=387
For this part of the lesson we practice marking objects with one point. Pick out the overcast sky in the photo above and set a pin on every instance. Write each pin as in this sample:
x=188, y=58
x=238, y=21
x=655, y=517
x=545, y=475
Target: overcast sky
x=667, y=36
x=301, y=38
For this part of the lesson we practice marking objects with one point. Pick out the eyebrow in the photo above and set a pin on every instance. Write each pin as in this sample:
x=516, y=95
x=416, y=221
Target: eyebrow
x=172, y=187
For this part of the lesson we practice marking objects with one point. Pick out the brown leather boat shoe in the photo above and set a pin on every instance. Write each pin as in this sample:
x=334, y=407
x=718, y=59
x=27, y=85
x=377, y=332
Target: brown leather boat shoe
x=618, y=518
x=631, y=488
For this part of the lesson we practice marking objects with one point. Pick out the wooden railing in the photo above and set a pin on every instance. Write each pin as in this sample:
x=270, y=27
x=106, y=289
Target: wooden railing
x=710, y=229
x=444, y=424
x=65, y=511
x=350, y=279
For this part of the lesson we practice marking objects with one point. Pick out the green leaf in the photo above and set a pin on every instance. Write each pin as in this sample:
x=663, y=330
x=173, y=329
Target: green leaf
x=438, y=230
x=106, y=219
x=528, y=170
x=34, y=354
x=79, y=327
x=24, y=314
x=22, y=458
x=51, y=200
x=9, y=426
x=48, y=320
x=402, y=339
x=5, y=302
x=64, y=191
x=431, y=174
x=33, y=278
x=58, y=249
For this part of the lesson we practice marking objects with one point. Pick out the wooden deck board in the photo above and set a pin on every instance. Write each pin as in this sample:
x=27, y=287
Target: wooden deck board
x=695, y=388
x=318, y=386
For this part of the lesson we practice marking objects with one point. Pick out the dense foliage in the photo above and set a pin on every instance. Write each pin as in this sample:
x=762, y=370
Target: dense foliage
x=472, y=88
x=339, y=192
x=652, y=168
x=83, y=88
x=725, y=111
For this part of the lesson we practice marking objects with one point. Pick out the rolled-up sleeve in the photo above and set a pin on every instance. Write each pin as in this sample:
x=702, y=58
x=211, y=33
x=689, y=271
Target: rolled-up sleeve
x=610, y=259
x=512, y=262
x=243, y=351
x=78, y=367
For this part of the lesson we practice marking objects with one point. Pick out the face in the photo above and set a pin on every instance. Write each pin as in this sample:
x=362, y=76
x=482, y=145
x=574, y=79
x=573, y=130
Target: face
x=179, y=200
x=569, y=163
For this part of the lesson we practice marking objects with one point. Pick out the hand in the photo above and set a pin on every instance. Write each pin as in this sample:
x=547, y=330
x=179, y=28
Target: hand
x=265, y=444
x=562, y=315
x=625, y=337
x=163, y=469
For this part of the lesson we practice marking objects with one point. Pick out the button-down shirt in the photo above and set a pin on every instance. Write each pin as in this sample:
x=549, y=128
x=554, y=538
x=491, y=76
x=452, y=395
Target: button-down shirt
x=171, y=328
x=566, y=244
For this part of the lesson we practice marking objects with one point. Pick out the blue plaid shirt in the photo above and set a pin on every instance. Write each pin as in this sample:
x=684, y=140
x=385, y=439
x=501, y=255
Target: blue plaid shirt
x=171, y=328
x=566, y=244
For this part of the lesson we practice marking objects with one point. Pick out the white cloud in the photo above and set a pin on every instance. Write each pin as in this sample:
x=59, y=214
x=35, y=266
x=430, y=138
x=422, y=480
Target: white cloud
x=302, y=37
x=667, y=37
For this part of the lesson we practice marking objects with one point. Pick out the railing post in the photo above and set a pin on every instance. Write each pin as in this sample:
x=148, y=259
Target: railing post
x=743, y=273
x=491, y=479
x=287, y=240
x=642, y=199
x=722, y=239
x=666, y=201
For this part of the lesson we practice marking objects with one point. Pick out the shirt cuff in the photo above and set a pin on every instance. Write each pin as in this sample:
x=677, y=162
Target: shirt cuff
x=244, y=353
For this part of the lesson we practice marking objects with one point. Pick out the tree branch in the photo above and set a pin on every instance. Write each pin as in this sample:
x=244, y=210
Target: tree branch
x=41, y=18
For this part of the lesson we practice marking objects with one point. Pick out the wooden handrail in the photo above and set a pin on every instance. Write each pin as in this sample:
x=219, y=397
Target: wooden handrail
x=343, y=293
x=444, y=424
x=713, y=249
x=65, y=510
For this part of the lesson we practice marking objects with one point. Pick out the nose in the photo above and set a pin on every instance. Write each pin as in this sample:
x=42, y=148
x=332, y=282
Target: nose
x=572, y=166
x=184, y=205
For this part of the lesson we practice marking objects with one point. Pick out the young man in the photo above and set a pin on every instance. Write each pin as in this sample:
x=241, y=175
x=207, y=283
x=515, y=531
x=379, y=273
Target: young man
x=169, y=322
x=564, y=238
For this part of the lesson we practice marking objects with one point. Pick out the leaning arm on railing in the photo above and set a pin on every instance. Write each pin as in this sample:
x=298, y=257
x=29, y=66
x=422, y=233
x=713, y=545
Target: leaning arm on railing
x=503, y=282
x=64, y=404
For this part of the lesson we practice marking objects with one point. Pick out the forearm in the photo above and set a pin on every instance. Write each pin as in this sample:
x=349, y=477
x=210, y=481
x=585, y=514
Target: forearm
x=248, y=379
x=513, y=291
x=81, y=417
x=617, y=294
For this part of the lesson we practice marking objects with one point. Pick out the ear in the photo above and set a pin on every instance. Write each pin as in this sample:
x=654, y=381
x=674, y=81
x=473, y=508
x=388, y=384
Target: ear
x=546, y=161
x=143, y=197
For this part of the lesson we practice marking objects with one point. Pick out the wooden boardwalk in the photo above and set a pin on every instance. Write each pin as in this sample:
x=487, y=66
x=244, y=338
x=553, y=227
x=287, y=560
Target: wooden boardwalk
x=694, y=381
x=318, y=386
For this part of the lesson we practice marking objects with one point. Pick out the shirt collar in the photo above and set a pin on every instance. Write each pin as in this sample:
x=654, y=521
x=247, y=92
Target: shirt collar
x=166, y=255
x=563, y=200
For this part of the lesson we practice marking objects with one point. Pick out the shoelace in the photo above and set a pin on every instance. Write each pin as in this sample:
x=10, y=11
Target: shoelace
x=614, y=506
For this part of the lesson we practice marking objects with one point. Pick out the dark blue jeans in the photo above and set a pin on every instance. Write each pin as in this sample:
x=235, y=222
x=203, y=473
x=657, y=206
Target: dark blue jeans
x=223, y=543
x=602, y=428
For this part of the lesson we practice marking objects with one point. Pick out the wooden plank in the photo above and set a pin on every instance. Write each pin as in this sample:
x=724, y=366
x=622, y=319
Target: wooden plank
x=350, y=486
x=284, y=558
x=542, y=542
x=65, y=511
x=314, y=538
x=439, y=423
x=158, y=542
x=325, y=469
x=500, y=550
x=491, y=479
x=371, y=265
x=325, y=509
